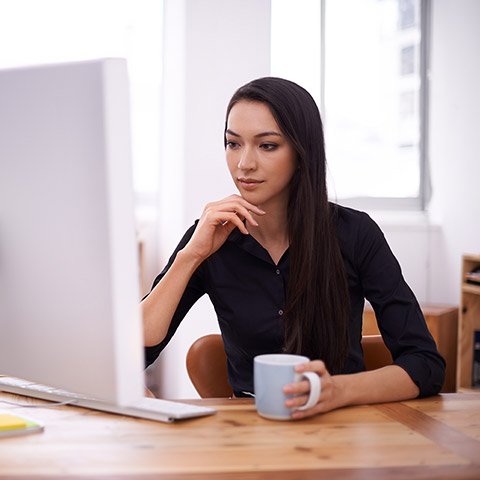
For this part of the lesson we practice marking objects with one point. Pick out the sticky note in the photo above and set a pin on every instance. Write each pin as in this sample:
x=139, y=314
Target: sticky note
x=11, y=422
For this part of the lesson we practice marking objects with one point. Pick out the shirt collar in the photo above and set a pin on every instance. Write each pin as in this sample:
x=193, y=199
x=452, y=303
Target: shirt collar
x=250, y=245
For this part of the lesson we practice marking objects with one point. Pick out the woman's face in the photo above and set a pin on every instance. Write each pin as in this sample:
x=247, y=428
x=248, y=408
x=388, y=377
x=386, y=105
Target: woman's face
x=260, y=158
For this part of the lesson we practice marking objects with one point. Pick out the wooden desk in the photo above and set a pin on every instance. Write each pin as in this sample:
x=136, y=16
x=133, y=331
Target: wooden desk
x=442, y=321
x=435, y=438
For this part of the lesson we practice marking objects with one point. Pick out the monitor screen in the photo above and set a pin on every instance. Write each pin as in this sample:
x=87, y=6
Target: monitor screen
x=69, y=286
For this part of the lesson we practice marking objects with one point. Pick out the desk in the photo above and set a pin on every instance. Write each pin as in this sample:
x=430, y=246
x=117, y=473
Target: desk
x=434, y=438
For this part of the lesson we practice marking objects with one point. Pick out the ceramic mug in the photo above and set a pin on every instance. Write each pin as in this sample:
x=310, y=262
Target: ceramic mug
x=271, y=372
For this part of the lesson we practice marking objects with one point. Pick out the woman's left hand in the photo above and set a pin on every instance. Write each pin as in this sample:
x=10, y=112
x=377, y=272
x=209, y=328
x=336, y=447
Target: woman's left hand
x=329, y=396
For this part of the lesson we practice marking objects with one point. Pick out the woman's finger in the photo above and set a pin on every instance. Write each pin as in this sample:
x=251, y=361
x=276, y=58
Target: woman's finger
x=222, y=213
x=245, y=214
x=222, y=218
x=297, y=387
x=237, y=199
x=237, y=204
x=317, y=366
x=297, y=401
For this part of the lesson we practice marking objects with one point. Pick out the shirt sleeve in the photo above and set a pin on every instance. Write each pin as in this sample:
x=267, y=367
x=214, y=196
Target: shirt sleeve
x=399, y=316
x=193, y=292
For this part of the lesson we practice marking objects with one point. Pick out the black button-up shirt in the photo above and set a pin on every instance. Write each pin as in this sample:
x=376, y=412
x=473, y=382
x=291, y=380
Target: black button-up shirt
x=248, y=292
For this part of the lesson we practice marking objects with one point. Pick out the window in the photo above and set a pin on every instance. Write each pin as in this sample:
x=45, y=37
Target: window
x=50, y=31
x=408, y=13
x=407, y=57
x=372, y=95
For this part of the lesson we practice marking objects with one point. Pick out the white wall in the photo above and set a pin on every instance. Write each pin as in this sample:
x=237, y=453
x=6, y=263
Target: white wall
x=454, y=133
x=430, y=248
x=213, y=46
x=410, y=236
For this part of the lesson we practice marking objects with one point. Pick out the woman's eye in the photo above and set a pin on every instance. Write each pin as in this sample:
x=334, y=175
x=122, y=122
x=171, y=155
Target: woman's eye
x=232, y=144
x=268, y=146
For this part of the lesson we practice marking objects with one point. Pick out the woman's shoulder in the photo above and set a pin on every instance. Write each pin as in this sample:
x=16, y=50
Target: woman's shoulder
x=350, y=219
x=355, y=229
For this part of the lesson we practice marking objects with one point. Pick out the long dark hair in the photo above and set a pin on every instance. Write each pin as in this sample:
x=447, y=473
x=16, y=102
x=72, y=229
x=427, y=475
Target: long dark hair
x=318, y=303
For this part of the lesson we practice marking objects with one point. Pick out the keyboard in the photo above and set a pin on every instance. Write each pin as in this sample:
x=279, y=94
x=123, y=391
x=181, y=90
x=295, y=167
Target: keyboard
x=146, y=407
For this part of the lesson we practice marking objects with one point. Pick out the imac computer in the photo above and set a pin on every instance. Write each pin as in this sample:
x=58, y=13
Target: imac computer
x=69, y=287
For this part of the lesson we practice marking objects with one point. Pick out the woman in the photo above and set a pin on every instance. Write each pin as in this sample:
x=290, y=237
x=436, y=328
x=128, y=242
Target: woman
x=288, y=271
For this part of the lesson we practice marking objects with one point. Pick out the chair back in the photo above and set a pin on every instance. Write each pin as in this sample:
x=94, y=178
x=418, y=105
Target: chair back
x=207, y=363
x=207, y=367
x=375, y=352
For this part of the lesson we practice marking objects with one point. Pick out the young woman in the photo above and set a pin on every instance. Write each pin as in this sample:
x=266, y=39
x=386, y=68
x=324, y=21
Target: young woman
x=288, y=271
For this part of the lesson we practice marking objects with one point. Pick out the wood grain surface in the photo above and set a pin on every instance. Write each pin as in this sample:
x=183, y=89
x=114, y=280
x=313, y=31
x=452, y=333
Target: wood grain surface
x=433, y=438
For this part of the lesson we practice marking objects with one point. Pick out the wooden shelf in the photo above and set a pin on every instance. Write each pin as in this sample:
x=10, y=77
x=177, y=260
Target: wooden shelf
x=470, y=288
x=469, y=320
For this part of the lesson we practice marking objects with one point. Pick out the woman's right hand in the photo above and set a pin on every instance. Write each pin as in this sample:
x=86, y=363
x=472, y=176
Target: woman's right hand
x=217, y=221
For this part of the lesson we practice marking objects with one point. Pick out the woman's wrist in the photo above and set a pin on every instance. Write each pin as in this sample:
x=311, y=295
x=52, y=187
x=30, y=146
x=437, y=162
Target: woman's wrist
x=387, y=384
x=352, y=389
x=188, y=259
x=341, y=391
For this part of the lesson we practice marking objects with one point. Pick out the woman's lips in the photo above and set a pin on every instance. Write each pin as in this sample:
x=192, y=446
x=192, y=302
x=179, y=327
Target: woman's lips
x=249, y=183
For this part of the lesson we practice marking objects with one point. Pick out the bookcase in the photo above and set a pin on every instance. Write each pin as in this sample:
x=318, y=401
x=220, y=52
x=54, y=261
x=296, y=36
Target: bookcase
x=469, y=320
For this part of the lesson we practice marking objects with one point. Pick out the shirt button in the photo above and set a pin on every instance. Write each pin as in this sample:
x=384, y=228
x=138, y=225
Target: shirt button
x=277, y=271
x=280, y=312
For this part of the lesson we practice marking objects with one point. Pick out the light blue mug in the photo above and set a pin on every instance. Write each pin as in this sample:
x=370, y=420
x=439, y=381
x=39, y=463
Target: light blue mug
x=271, y=373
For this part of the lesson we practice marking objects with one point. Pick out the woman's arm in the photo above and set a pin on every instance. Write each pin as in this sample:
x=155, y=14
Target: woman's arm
x=160, y=305
x=387, y=384
x=218, y=220
x=399, y=316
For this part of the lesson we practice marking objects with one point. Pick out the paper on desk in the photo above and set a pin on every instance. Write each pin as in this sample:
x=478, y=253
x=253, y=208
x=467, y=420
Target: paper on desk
x=12, y=425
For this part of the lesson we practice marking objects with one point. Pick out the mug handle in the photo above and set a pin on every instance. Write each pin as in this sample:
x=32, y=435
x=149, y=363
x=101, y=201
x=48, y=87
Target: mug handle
x=315, y=389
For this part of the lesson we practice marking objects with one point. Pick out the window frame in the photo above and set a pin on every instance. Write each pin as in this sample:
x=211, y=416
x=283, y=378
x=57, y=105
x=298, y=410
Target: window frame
x=420, y=202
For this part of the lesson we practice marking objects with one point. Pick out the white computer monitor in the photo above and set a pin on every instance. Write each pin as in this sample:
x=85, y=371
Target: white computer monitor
x=69, y=293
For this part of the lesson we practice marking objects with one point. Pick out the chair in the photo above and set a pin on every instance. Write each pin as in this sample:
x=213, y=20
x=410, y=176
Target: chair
x=375, y=352
x=207, y=363
x=207, y=367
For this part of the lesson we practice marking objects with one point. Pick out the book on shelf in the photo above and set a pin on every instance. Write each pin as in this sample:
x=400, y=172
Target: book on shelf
x=473, y=277
x=476, y=359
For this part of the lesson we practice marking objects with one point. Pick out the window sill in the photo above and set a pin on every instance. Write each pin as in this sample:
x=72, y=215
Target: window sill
x=404, y=220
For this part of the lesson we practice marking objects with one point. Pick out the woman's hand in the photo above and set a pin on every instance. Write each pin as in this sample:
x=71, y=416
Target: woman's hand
x=218, y=220
x=216, y=223
x=387, y=384
x=329, y=396
x=149, y=393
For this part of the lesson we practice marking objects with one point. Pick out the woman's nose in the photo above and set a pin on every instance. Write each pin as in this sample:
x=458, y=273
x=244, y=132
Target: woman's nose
x=247, y=159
